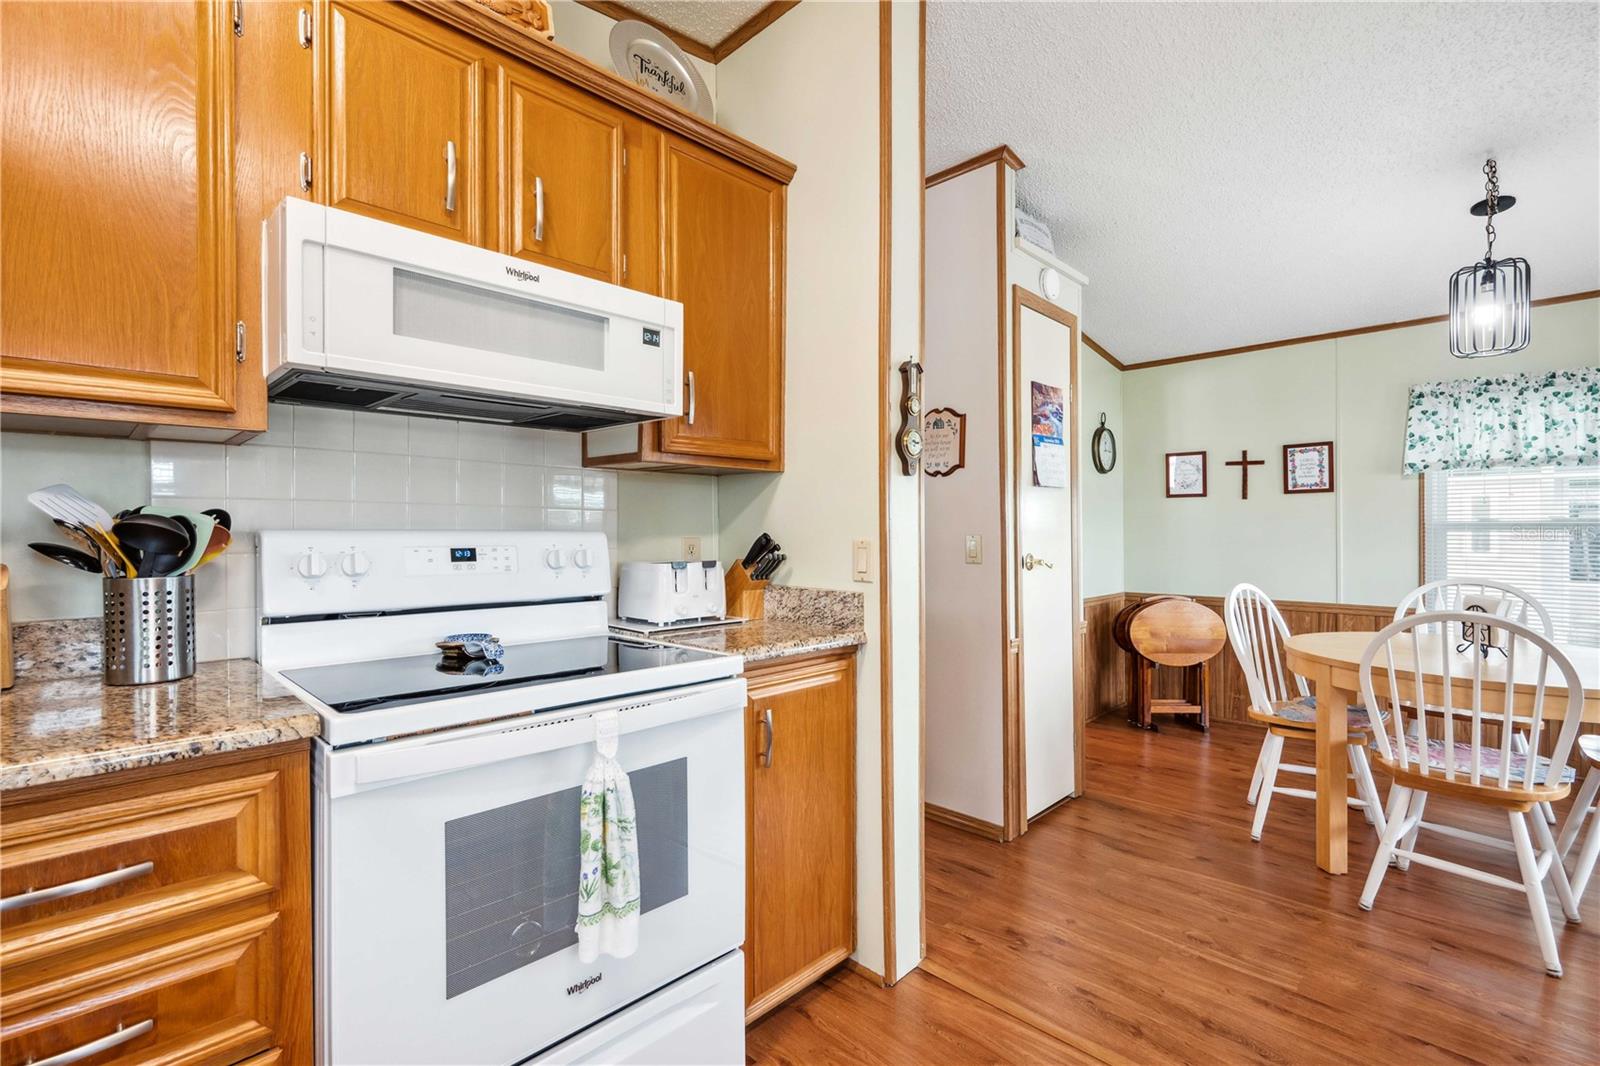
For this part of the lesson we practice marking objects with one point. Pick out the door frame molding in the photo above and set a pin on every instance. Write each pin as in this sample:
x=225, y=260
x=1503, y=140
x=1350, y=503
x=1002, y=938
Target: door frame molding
x=1014, y=802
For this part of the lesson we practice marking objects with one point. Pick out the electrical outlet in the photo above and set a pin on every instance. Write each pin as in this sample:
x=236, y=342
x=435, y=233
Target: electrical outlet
x=691, y=550
x=974, y=549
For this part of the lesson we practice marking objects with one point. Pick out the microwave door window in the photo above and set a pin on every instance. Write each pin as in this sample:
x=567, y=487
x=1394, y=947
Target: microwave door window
x=469, y=316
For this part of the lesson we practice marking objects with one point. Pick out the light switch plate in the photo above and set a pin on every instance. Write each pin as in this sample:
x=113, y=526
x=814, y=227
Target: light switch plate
x=861, y=559
x=692, y=552
x=974, y=549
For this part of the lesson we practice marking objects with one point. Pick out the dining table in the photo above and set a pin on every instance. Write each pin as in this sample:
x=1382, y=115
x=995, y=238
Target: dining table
x=1331, y=662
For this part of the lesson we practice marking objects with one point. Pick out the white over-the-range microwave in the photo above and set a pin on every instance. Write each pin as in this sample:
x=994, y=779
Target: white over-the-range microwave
x=365, y=314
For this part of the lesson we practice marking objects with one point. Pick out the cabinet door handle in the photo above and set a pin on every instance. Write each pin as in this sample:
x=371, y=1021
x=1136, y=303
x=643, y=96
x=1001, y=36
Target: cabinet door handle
x=766, y=727
x=538, y=209
x=449, y=175
x=121, y=1035
x=690, y=386
x=75, y=888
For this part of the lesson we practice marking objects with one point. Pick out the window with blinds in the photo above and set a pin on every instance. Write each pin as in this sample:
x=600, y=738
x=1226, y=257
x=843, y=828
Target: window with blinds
x=1538, y=529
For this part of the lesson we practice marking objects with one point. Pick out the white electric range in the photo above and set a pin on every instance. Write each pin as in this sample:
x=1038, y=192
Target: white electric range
x=446, y=802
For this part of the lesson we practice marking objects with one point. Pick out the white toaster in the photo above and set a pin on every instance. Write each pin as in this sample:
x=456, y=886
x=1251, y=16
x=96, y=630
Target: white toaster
x=671, y=592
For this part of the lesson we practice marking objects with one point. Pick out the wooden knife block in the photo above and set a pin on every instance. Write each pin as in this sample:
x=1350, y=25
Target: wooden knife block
x=747, y=597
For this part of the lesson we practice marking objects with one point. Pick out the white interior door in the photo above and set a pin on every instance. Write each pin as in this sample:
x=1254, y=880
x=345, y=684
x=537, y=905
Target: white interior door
x=1044, y=547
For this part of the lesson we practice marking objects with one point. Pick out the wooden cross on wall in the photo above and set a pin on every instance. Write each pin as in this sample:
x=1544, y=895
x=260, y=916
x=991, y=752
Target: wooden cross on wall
x=1244, y=463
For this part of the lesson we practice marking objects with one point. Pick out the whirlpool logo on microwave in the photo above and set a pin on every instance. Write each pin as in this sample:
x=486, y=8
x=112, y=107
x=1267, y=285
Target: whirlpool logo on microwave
x=522, y=275
x=584, y=985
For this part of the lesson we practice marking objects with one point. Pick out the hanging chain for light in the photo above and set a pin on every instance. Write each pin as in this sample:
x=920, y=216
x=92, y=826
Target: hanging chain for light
x=1491, y=196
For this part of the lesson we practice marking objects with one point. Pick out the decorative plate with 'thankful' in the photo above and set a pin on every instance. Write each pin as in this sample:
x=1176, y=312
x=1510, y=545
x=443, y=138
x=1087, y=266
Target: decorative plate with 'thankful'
x=649, y=58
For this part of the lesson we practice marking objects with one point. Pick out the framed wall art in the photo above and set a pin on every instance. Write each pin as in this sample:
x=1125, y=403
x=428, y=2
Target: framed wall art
x=944, y=442
x=1308, y=467
x=1186, y=474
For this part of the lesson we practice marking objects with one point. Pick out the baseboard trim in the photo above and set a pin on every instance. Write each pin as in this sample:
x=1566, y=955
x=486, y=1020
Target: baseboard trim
x=965, y=822
x=1025, y=1015
x=862, y=971
x=809, y=976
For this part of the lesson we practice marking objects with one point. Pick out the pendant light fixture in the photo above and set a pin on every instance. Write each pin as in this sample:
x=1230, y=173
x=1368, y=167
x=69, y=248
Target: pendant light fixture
x=1490, y=300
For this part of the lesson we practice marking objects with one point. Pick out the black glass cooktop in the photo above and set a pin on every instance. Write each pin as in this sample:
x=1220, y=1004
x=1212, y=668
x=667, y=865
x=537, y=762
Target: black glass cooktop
x=368, y=686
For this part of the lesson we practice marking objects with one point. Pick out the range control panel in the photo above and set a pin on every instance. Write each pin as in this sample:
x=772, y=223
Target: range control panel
x=321, y=572
x=456, y=559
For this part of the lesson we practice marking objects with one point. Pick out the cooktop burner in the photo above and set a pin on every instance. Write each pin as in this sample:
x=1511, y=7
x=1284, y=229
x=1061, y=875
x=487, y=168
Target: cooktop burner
x=353, y=687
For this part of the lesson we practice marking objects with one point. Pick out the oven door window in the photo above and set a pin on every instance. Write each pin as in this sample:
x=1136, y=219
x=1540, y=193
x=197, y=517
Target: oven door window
x=511, y=874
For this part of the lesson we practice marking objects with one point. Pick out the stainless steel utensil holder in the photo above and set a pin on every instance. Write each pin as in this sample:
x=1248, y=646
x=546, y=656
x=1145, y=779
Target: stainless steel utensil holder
x=149, y=629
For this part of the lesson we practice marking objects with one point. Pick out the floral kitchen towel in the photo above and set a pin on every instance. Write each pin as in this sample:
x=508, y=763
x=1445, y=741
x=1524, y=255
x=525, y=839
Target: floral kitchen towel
x=608, y=853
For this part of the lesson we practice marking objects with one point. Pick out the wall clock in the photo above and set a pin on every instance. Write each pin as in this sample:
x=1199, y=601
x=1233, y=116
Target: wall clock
x=1103, y=447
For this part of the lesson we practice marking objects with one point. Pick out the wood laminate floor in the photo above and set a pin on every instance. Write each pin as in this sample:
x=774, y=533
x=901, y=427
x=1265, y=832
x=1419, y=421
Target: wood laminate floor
x=1140, y=924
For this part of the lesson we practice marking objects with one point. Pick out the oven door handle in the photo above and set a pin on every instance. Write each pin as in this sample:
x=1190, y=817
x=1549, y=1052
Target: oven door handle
x=499, y=741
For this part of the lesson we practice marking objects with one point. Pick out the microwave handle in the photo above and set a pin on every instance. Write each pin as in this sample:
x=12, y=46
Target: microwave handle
x=449, y=175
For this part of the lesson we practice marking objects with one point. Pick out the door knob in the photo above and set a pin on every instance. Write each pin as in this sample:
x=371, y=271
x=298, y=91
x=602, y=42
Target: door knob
x=1030, y=561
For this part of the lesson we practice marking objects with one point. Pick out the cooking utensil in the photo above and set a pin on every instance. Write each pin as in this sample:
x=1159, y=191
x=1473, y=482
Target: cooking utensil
x=224, y=519
x=199, y=526
x=68, y=504
x=221, y=537
x=73, y=557
x=79, y=536
x=152, y=536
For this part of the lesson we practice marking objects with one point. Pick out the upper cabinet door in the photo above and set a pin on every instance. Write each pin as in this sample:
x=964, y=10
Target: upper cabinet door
x=725, y=255
x=116, y=204
x=563, y=180
x=403, y=120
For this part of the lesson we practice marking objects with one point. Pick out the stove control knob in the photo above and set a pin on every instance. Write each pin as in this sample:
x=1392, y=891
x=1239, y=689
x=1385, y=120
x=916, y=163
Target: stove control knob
x=583, y=558
x=354, y=563
x=311, y=565
x=552, y=559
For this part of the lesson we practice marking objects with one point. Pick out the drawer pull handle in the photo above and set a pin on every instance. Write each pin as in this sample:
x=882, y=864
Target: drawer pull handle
x=75, y=888
x=538, y=209
x=122, y=1035
x=766, y=726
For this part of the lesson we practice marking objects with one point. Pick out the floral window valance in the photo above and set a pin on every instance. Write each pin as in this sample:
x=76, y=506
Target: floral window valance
x=1525, y=420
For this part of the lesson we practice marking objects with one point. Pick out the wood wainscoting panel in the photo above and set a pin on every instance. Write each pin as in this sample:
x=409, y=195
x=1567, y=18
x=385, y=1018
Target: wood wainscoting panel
x=1107, y=684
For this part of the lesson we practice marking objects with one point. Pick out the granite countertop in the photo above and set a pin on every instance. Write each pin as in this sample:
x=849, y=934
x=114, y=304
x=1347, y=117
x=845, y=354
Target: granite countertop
x=767, y=638
x=58, y=728
x=798, y=621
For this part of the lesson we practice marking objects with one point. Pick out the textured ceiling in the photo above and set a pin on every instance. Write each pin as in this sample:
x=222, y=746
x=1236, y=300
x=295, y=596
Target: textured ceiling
x=1230, y=174
x=707, y=21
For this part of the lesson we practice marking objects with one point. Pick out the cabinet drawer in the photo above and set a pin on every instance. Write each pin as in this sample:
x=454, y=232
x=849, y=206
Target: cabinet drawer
x=209, y=998
x=72, y=876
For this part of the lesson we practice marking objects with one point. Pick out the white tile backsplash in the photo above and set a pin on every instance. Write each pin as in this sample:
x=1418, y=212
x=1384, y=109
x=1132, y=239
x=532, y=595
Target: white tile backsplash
x=322, y=469
x=323, y=474
x=323, y=427
x=182, y=468
x=432, y=436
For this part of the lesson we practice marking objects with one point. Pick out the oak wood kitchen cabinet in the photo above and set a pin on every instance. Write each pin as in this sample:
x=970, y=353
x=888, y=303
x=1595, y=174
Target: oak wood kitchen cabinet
x=130, y=221
x=160, y=914
x=404, y=116
x=799, y=824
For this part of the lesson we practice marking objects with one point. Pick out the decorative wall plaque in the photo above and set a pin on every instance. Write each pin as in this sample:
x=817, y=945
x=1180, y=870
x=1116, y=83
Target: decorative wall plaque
x=944, y=441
